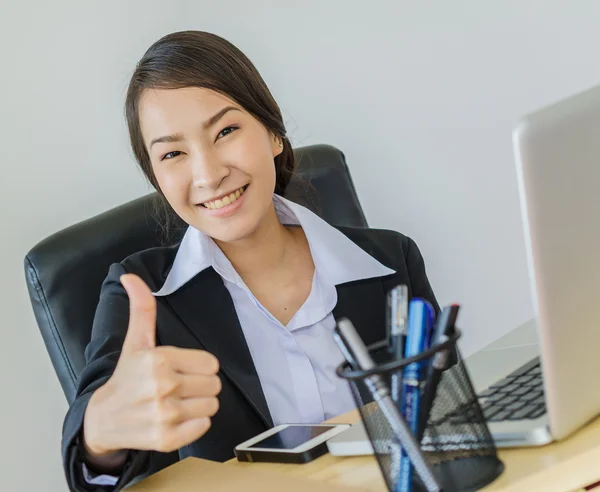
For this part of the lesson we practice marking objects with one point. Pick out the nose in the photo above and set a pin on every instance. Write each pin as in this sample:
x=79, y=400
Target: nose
x=208, y=171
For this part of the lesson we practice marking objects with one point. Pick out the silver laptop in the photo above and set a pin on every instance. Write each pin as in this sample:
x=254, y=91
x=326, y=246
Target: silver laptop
x=540, y=382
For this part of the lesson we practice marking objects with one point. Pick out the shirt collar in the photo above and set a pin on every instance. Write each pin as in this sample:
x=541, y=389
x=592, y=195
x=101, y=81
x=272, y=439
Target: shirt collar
x=336, y=257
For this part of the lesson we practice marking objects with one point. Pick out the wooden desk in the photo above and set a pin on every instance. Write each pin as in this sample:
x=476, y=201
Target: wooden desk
x=558, y=467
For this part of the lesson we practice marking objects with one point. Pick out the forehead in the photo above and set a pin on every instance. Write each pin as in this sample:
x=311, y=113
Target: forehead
x=169, y=111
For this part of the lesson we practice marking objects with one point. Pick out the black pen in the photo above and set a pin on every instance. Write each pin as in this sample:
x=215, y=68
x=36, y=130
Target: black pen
x=443, y=328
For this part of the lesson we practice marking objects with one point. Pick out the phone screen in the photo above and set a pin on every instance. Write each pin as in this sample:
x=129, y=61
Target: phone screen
x=292, y=436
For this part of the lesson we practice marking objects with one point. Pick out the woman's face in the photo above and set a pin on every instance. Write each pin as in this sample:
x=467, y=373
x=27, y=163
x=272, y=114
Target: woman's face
x=212, y=159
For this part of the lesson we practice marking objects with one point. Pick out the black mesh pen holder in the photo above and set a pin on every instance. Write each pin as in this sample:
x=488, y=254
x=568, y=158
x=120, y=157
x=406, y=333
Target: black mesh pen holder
x=455, y=444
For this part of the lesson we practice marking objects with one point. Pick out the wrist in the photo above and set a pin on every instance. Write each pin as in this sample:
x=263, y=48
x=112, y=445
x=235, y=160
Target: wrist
x=95, y=452
x=111, y=463
x=93, y=436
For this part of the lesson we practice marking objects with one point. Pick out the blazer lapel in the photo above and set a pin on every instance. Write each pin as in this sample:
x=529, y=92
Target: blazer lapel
x=364, y=303
x=205, y=306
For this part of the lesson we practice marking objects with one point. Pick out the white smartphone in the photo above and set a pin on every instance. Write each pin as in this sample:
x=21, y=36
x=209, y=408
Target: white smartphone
x=289, y=443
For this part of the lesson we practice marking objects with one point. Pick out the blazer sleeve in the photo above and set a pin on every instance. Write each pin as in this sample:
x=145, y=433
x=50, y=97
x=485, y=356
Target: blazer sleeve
x=101, y=355
x=417, y=274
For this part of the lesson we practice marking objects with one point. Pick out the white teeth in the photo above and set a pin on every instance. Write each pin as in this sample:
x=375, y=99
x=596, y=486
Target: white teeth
x=226, y=200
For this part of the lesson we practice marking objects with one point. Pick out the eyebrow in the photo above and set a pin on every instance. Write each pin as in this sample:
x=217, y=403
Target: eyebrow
x=216, y=117
x=178, y=137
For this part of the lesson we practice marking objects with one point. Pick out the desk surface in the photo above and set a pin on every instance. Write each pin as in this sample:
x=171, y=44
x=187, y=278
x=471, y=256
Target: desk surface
x=558, y=467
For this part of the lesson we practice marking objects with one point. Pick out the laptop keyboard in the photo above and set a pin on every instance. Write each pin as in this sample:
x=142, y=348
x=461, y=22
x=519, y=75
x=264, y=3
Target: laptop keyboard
x=519, y=396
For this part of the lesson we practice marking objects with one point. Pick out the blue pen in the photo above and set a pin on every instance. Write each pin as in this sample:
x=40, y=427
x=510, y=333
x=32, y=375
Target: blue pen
x=420, y=324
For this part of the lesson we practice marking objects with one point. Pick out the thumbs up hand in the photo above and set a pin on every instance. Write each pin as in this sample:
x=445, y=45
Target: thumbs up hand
x=158, y=398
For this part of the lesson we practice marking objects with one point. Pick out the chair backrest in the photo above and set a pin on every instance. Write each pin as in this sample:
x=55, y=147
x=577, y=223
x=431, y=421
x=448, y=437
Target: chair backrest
x=64, y=272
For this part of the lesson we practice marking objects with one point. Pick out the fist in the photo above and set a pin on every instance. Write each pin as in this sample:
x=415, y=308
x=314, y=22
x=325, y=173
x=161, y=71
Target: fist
x=158, y=398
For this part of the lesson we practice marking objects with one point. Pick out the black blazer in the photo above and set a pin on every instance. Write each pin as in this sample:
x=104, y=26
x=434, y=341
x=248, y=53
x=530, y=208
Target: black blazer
x=201, y=315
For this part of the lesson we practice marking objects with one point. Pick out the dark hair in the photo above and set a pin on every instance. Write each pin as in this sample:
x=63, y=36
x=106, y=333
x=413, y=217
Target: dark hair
x=202, y=59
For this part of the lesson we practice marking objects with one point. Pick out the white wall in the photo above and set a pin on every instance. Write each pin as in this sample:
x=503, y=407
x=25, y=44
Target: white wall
x=64, y=68
x=421, y=96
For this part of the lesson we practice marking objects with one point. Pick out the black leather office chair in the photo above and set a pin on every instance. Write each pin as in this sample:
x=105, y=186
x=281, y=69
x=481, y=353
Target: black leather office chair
x=65, y=272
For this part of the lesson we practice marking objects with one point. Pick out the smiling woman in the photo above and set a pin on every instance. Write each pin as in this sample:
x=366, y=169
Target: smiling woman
x=203, y=345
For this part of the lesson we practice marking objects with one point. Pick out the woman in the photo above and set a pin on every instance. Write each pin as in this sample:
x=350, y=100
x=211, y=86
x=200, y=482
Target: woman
x=201, y=346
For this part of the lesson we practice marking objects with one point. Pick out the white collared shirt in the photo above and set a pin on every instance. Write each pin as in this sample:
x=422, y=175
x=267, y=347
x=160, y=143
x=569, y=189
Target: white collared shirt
x=295, y=363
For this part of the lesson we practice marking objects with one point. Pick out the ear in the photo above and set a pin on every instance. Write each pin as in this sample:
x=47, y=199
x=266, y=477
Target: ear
x=276, y=145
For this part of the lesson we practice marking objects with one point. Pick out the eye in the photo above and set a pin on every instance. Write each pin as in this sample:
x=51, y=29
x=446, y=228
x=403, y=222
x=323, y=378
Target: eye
x=226, y=131
x=170, y=155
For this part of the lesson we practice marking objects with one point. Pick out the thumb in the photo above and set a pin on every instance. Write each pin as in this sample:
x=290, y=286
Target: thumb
x=141, y=333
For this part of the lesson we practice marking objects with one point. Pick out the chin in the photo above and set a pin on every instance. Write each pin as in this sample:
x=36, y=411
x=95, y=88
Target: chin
x=231, y=232
x=227, y=236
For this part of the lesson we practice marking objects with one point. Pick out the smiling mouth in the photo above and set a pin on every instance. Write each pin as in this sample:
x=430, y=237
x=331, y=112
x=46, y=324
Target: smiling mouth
x=225, y=200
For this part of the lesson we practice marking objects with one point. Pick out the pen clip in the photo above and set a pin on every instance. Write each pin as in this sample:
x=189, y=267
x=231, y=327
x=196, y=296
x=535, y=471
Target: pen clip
x=397, y=305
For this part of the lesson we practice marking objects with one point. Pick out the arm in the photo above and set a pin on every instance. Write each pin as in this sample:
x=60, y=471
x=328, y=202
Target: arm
x=134, y=395
x=102, y=354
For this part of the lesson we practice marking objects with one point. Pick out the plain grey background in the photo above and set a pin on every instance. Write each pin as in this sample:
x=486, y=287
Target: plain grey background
x=421, y=97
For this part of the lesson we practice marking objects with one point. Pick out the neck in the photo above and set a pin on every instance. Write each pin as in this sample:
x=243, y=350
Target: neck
x=266, y=250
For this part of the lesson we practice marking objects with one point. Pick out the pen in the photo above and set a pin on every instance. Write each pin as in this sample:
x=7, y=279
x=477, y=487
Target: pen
x=351, y=339
x=397, y=319
x=420, y=320
x=444, y=328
